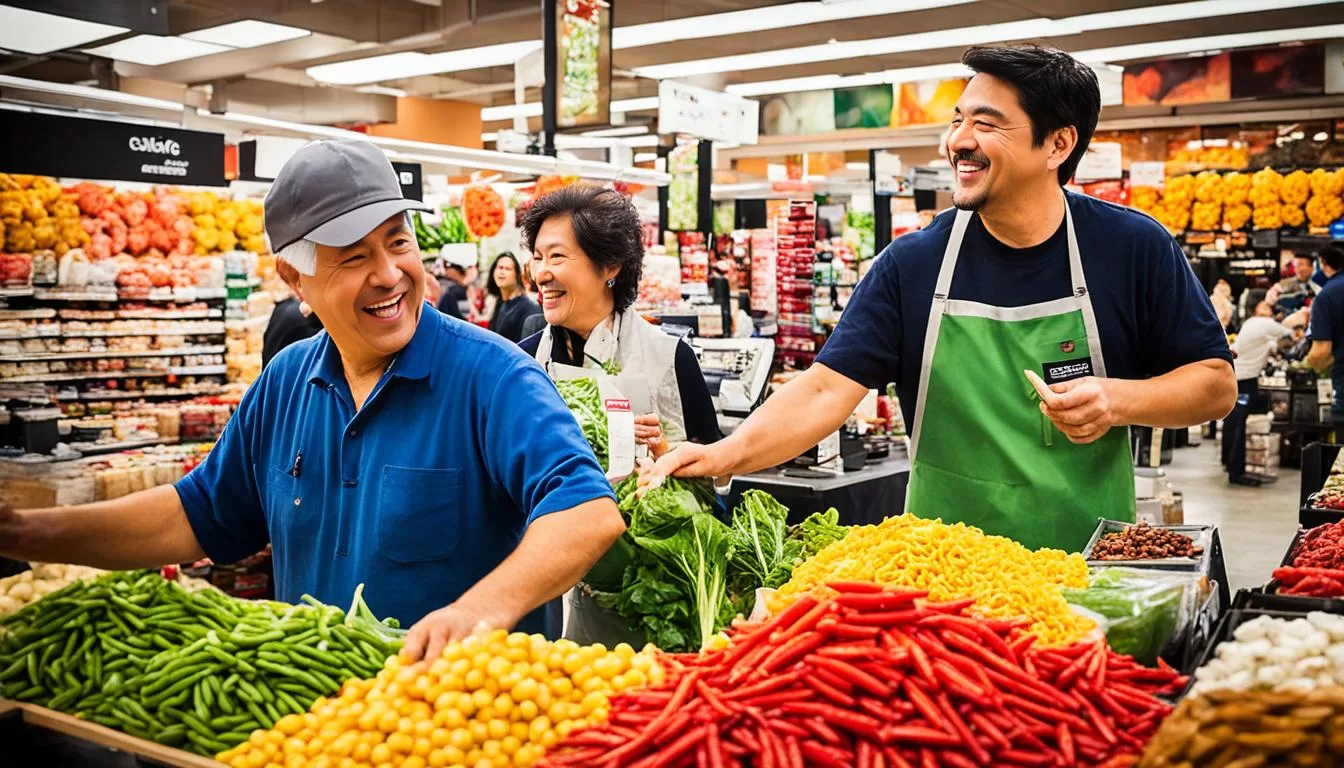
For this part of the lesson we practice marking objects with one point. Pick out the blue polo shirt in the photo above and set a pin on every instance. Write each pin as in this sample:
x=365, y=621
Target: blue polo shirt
x=1327, y=324
x=430, y=486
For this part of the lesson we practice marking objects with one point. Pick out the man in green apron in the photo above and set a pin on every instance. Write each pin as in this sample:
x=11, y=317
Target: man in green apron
x=1095, y=299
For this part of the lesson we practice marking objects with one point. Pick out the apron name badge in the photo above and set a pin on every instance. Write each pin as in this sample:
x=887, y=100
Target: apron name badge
x=1066, y=370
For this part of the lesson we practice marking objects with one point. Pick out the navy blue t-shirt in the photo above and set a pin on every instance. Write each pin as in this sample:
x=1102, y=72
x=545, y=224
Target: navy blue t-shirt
x=1152, y=313
x=1327, y=324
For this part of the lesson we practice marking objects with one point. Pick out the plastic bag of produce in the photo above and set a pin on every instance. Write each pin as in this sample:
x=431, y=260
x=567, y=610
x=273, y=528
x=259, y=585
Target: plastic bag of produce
x=603, y=413
x=1144, y=609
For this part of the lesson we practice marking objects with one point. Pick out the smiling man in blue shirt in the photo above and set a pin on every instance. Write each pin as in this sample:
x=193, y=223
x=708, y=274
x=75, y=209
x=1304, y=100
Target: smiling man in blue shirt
x=420, y=455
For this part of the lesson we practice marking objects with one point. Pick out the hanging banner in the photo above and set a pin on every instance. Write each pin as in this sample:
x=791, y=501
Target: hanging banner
x=707, y=114
x=583, y=62
x=928, y=101
x=865, y=106
x=1179, y=81
x=55, y=145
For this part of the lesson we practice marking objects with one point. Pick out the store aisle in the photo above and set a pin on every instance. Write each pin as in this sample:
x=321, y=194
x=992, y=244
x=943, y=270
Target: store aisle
x=1256, y=524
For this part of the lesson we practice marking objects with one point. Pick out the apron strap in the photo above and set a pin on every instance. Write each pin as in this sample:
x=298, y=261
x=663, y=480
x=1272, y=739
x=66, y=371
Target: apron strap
x=940, y=293
x=1081, y=295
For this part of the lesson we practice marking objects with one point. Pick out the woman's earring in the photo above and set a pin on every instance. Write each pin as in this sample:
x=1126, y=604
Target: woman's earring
x=305, y=309
x=611, y=283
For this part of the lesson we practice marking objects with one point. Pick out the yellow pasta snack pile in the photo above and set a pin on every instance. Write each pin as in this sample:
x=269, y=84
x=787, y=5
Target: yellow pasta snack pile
x=951, y=562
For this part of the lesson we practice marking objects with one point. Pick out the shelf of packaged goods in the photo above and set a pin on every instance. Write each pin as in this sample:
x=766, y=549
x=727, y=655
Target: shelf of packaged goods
x=214, y=329
x=42, y=313
x=43, y=378
x=209, y=314
x=94, y=397
x=53, y=334
x=98, y=449
x=16, y=292
x=110, y=296
x=47, y=357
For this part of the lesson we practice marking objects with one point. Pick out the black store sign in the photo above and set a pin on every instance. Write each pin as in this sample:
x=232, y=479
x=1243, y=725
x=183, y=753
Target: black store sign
x=411, y=178
x=53, y=145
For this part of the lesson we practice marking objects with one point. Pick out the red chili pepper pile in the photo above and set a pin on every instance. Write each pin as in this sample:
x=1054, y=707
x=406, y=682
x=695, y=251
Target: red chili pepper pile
x=1318, y=564
x=878, y=679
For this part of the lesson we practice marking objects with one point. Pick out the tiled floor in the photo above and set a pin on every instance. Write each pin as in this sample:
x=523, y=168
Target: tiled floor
x=1255, y=524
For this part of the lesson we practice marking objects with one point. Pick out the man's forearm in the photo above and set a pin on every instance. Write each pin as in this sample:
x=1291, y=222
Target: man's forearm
x=143, y=530
x=1192, y=394
x=790, y=421
x=556, y=551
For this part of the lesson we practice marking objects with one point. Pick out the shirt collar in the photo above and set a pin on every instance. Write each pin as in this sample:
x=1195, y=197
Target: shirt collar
x=412, y=362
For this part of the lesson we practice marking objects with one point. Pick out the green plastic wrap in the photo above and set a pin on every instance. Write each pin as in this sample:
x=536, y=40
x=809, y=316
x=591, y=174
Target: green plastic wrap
x=1145, y=608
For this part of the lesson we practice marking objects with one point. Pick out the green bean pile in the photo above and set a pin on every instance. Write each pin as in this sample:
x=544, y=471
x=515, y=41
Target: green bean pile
x=585, y=402
x=199, y=671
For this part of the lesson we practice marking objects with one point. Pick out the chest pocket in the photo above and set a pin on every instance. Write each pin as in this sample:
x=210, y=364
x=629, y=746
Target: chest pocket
x=417, y=516
x=291, y=516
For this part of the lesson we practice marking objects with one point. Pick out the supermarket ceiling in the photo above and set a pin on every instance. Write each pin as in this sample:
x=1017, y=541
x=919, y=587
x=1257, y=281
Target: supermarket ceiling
x=308, y=50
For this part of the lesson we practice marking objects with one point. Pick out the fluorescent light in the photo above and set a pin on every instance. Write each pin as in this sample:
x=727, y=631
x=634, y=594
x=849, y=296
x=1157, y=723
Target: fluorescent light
x=646, y=157
x=248, y=33
x=1025, y=29
x=762, y=19
x=625, y=130
x=153, y=50
x=1098, y=57
x=381, y=90
x=489, y=136
x=635, y=105
x=1186, y=45
x=34, y=32
x=509, y=111
x=399, y=66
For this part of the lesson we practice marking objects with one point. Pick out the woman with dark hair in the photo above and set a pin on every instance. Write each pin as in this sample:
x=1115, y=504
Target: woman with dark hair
x=512, y=304
x=587, y=256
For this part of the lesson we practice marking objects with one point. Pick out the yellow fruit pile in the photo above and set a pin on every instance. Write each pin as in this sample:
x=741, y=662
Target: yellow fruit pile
x=1295, y=188
x=1006, y=579
x=1327, y=197
x=494, y=700
x=1264, y=199
x=35, y=214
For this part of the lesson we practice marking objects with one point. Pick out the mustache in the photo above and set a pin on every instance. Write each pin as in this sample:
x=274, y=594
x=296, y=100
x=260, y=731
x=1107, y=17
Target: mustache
x=973, y=157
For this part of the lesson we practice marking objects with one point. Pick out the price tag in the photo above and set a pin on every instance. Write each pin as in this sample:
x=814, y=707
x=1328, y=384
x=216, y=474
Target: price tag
x=1147, y=174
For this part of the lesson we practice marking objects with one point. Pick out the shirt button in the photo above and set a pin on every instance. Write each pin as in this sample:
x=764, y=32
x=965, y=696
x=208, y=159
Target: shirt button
x=298, y=501
x=354, y=432
x=349, y=483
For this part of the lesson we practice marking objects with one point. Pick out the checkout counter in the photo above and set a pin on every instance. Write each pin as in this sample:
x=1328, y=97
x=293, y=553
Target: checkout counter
x=868, y=486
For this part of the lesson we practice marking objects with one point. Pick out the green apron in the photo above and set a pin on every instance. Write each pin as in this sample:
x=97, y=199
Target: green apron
x=981, y=451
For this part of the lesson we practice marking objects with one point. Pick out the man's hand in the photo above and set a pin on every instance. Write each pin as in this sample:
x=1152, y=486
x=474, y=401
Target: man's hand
x=428, y=637
x=649, y=431
x=1083, y=409
x=686, y=460
x=9, y=523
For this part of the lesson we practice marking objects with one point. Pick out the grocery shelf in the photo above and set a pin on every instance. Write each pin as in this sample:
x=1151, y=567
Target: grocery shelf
x=188, y=295
x=43, y=378
x=217, y=349
x=55, y=334
x=11, y=293
x=209, y=314
x=98, y=449
x=214, y=330
x=118, y=395
x=199, y=370
x=51, y=294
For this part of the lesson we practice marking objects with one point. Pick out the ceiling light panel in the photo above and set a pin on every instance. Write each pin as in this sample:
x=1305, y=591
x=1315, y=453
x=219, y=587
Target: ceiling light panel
x=153, y=50
x=1205, y=44
x=399, y=66
x=1025, y=29
x=34, y=32
x=763, y=19
x=248, y=33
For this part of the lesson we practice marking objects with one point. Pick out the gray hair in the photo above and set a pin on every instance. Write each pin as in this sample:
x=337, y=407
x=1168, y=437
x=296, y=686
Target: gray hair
x=302, y=254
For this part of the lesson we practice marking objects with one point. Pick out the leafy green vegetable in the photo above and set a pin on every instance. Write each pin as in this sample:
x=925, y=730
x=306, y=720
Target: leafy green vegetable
x=764, y=555
x=585, y=402
x=818, y=531
x=1143, y=608
x=693, y=547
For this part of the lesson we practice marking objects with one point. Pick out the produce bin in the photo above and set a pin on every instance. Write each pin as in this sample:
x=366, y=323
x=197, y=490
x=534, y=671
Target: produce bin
x=1317, y=458
x=1186, y=650
x=1210, y=563
x=1260, y=600
x=34, y=736
x=1227, y=625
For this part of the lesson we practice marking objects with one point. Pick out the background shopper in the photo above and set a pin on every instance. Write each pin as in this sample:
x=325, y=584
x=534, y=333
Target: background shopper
x=513, y=305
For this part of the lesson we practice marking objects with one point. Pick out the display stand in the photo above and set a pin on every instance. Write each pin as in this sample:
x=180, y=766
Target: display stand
x=865, y=497
x=34, y=735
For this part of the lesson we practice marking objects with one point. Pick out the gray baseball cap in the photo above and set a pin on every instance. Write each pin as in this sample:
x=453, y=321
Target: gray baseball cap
x=333, y=192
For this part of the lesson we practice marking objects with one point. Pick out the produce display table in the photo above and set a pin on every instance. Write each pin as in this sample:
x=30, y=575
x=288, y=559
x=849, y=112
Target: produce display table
x=864, y=497
x=34, y=735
